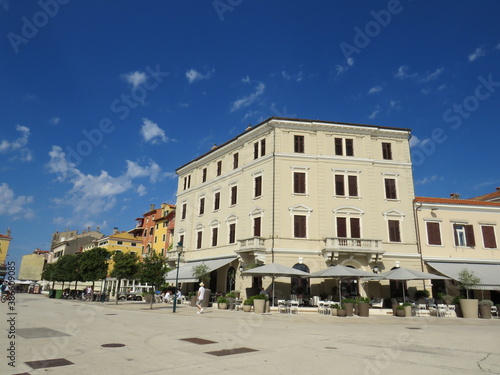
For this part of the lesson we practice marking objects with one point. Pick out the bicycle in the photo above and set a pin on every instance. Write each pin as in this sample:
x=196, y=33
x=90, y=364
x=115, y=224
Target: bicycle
x=6, y=296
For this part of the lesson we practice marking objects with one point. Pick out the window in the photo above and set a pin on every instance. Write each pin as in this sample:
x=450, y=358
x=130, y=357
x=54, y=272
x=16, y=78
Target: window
x=344, y=226
x=156, y=239
x=234, y=195
x=215, y=233
x=257, y=186
x=232, y=233
x=433, y=233
x=256, y=150
x=235, y=160
x=184, y=209
x=299, y=182
x=262, y=147
x=489, y=236
x=353, y=185
x=386, y=151
x=163, y=238
x=133, y=244
x=151, y=231
x=299, y=226
x=202, y=206
x=204, y=175
x=219, y=167
x=394, y=233
x=185, y=183
x=298, y=144
x=181, y=239
x=339, y=185
x=199, y=238
x=464, y=235
x=390, y=188
x=119, y=242
x=157, y=225
x=216, y=201
x=349, y=147
x=339, y=147
x=256, y=226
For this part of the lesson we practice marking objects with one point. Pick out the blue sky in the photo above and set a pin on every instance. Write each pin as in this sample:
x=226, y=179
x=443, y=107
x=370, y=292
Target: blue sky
x=102, y=101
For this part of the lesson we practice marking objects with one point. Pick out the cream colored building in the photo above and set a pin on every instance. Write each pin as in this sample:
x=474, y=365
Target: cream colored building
x=4, y=250
x=460, y=233
x=302, y=193
x=32, y=265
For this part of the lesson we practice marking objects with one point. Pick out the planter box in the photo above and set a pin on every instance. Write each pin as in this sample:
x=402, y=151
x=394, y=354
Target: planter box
x=408, y=313
x=349, y=309
x=400, y=313
x=222, y=306
x=193, y=301
x=364, y=309
x=341, y=312
x=469, y=308
x=259, y=306
x=246, y=308
x=485, y=311
x=334, y=312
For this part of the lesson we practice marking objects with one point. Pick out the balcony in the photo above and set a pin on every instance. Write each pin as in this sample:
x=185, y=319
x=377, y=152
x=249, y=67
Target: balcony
x=336, y=246
x=252, y=250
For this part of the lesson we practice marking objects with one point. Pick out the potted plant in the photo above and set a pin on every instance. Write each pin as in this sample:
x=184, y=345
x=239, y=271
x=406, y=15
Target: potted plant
x=363, y=306
x=342, y=310
x=259, y=303
x=400, y=311
x=231, y=297
x=247, y=305
x=485, y=308
x=407, y=309
x=447, y=299
x=349, y=306
x=468, y=280
x=236, y=293
x=192, y=298
x=458, y=309
x=335, y=307
x=222, y=303
x=422, y=294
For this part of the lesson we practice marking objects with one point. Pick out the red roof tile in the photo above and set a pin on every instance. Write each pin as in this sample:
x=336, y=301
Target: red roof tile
x=485, y=197
x=467, y=202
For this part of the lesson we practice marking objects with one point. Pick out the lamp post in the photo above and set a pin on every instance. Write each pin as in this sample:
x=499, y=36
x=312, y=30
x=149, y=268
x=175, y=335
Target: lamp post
x=179, y=253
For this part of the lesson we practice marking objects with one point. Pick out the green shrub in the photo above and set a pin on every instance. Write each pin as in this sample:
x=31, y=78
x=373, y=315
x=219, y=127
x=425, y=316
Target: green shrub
x=406, y=304
x=191, y=294
x=456, y=300
x=400, y=307
x=486, y=302
x=348, y=300
x=248, y=301
x=419, y=294
x=362, y=300
x=335, y=306
x=230, y=295
x=260, y=296
x=222, y=300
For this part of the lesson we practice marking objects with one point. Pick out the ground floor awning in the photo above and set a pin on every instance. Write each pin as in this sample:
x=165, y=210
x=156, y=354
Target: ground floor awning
x=488, y=273
x=186, y=269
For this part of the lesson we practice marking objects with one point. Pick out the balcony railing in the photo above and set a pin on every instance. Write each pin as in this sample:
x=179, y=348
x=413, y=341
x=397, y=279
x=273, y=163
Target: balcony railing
x=334, y=246
x=253, y=243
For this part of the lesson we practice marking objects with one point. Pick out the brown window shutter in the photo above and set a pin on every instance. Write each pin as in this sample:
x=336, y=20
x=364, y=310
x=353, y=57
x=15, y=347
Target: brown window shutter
x=262, y=147
x=202, y=206
x=215, y=232
x=469, y=234
x=198, y=241
x=353, y=186
x=349, y=147
x=338, y=146
x=299, y=226
x=256, y=226
x=390, y=188
x=299, y=182
x=455, y=235
x=258, y=186
x=433, y=234
x=232, y=233
x=339, y=185
x=489, y=237
x=341, y=227
x=355, y=228
x=256, y=150
x=394, y=232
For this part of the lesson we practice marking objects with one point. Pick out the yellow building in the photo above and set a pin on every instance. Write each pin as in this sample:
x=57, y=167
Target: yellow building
x=163, y=235
x=32, y=265
x=4, y=249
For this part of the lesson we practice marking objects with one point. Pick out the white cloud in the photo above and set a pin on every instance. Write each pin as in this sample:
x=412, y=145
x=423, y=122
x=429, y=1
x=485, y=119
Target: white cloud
x=193, y=75
x=135, y=78
x=94, y=194
x=497, y=46
x=427, y=180
x=375, y=89
x=249, y=99
x=141, y=190
x=402, y=72
x=13, y=206
x=350, y=61
x=374, y=114
x=479, y=52
x=151, y=132
x=298, y=77
x=246, y=80
x=18, y=145
x=431, y=76
x=55, y=120
x=341, y=69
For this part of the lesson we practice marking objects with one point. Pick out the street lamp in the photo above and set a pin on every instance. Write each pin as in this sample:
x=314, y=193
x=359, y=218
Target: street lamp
x=179, y=250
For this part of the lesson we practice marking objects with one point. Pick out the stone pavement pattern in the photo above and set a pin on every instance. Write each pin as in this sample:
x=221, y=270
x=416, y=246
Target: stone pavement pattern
x=154, y=341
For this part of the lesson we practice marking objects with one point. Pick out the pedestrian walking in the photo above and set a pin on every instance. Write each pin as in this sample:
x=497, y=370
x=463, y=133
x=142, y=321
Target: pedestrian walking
x=199, y=299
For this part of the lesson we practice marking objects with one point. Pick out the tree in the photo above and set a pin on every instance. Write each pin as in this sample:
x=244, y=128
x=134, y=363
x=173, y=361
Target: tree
x=152, y=270
x=202, y=272
x=48, y=273
x=65, y=269
x=93, y=264
x=126, y=267
x=468, y=279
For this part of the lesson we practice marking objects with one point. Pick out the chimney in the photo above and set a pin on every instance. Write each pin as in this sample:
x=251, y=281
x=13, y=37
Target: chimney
x=151, y=207
x=115, y=230
x=214, y=147
x=498, y=188
x=455, y=196
x=248, y=127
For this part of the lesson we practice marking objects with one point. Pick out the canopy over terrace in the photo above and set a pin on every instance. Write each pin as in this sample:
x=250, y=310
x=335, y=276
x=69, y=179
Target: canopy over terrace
x=275, y=270
x=488, y=273
x=186, y=269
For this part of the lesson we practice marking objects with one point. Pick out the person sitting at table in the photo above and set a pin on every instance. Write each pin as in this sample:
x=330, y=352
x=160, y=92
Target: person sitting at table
x=166, y=298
